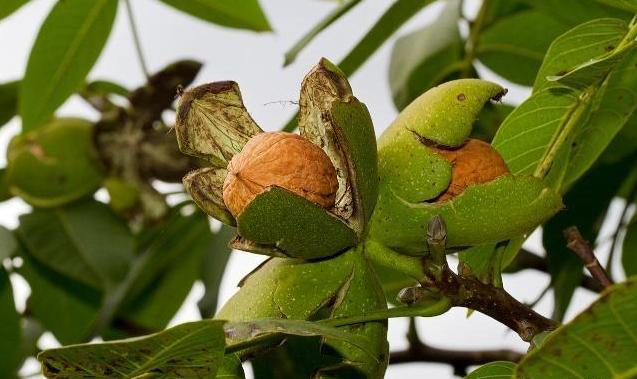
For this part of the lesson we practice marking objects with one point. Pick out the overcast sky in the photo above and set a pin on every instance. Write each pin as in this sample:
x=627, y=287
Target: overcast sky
x=255, y=62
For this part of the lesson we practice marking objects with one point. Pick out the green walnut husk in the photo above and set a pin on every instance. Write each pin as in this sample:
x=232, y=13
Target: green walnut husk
x=293, y=289
x=213, y=124
x=54, y=164
x=413, y=175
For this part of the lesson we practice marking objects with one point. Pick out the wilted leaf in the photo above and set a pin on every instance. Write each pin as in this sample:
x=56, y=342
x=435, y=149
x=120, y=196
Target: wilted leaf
x=8, y=101
x=10, y=335
x=599, y=343
x=84, y=241
x=68, y=44
x=245, y=14
x=514, y=47
x=191, y=350
x=426, y=57
x=494, y=370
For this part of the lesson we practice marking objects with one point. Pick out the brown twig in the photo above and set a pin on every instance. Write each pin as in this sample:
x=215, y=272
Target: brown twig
x=460, y=360
x=583, y=249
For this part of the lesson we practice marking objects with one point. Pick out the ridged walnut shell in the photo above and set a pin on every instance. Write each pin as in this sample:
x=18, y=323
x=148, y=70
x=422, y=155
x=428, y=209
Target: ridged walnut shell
x=281, y=159
x=474, y=162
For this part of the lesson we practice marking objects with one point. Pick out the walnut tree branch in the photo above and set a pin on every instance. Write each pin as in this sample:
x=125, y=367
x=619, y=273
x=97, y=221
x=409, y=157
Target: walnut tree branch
x=585, y=252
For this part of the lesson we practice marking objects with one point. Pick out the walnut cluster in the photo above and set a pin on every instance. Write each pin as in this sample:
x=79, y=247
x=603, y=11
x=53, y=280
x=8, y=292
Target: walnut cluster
x=281, y=159
x=474, y=162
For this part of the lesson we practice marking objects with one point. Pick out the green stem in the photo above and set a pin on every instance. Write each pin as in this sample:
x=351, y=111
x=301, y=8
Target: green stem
x=474, y=37
x=429, y=309
x=386, y=257
x=136, y=40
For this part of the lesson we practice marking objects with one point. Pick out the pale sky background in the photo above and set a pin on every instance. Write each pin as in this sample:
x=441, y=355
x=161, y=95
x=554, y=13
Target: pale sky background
x=255, y=62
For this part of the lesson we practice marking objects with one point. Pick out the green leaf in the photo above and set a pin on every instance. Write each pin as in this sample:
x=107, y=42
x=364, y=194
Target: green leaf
x=53, y=295
x=68, y=44
x=248, y=330
x=531, y=136
x=573, y=12
x=393, y=18
x=339, y=11
x=627, y=5
x=8, y=101
x=514, y=47
x=9, y=6
x=10, y=329
x=599, y=343
x=84, y=241
x=231, y=368
x=494, y=370
x=212, y=269
x=629, y=248
x=5, y=194
x=624, y=144
x=8, y=244
x=191, y=350
x=586, y=206
x=167, y=264
x=426, y=57
x=55, y=164
x=612, y=109
x=246, y=14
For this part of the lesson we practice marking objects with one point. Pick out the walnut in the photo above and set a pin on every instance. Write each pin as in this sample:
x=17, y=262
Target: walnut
x=281, y=159
x=474, y=162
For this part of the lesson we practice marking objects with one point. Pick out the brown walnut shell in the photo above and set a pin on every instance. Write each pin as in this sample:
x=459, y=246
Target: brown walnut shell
x=281, y=159
x=474, y=162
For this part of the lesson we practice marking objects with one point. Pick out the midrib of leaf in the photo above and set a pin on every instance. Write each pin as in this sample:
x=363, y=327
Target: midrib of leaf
x=569, y=125
x=565, y=129
x=68, y=58
x=77, y=245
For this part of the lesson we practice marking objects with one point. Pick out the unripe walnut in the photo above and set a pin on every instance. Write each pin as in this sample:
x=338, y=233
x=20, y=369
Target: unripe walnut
x=282, y=159
x=474, y=162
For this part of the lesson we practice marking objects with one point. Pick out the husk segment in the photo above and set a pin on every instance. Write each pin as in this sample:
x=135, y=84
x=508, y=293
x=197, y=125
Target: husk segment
x=413, y=174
